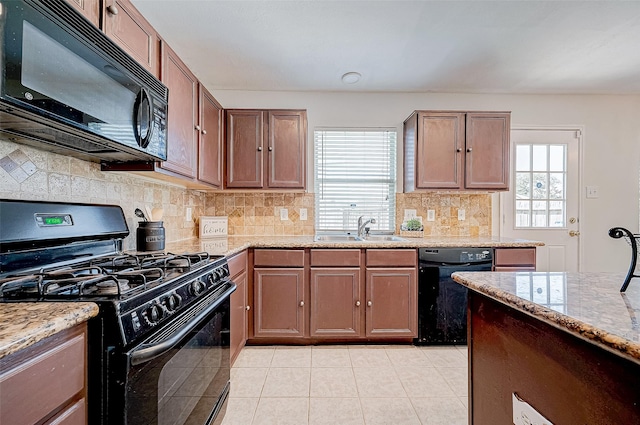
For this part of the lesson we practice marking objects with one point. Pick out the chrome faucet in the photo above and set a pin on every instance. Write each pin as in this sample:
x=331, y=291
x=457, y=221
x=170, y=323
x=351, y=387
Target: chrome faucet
x=362, y=224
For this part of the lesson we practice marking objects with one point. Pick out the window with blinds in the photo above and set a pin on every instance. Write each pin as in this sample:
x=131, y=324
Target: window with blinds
x=355, y=175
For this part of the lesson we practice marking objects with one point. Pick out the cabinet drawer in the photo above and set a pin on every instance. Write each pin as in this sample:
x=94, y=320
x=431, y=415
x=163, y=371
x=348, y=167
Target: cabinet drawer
x=278, y=257
x=76, y=414
x=391, y=257
x=237, y=264
x=50, y=378
x=335, y=257
x=515, y=256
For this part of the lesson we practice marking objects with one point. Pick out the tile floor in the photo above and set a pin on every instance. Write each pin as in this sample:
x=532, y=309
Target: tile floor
x=349, y=384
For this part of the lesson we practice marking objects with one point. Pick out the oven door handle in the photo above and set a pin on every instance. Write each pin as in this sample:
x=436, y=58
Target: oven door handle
x=146, y=352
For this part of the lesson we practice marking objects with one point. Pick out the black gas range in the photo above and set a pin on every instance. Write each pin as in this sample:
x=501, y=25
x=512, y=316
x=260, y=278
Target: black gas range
x=159, y=347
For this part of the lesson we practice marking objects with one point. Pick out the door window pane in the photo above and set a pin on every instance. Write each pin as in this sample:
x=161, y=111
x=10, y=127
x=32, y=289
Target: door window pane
x=540, y=158
x=523, y=157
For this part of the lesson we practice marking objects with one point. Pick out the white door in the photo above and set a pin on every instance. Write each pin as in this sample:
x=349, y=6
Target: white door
x=543, y=200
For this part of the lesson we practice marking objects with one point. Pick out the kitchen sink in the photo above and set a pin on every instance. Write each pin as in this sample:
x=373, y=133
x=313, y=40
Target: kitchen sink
x=352, y=238
x=383, y=238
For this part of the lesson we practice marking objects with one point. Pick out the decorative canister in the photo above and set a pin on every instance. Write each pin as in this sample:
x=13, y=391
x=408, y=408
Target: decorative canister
x=150, y=236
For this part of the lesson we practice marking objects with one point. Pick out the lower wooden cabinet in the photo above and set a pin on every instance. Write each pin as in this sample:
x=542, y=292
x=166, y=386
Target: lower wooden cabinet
x=239, y=304
x=392, y=302
x=335, y=302
x=279, y=302
x=46, y=383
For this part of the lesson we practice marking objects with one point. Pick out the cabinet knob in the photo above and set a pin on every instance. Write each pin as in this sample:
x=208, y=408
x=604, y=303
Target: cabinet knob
x=204, y=131
x=270, y=148
x=468, y=149
x=197, y=127
x=259, y=148
x=458, y=150
x=357, y=303
x=112, y=9
x=248, y=307
x=301, y=303
x=369, y=303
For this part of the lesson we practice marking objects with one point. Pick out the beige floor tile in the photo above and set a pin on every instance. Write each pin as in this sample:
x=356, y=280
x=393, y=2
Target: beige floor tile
x=247, y=382
x=405, y=357
x=369, y=357
x=440, y=411
x=334, y=411
x=282, y=411
x=287, y=382
x=254, y=357
x=388, y=411
x=423, y=382
x=457, y=378
x=333, y=382
x=330, y=357
x=464, y=350
x=465, y=401
x=378, y=382
x=448, y=356
x=291, y=357
x=240, y=411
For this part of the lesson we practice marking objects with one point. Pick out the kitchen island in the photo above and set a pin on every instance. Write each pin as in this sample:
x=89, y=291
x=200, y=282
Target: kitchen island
x=568, y=344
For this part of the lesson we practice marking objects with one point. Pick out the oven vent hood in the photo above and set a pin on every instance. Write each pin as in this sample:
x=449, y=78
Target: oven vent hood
x=67, y=88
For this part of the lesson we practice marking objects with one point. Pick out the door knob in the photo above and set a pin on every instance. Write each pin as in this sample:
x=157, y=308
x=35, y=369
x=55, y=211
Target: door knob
x=112, y=9
x=574, y=233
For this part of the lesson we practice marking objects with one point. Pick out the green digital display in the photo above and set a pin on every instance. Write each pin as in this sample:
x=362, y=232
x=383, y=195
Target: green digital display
x=50, y=221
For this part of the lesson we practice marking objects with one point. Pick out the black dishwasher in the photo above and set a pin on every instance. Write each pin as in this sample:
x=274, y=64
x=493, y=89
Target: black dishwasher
x=442, y=303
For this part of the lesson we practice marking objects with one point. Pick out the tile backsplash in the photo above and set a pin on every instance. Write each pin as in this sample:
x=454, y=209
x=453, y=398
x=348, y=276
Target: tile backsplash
x=32, y=174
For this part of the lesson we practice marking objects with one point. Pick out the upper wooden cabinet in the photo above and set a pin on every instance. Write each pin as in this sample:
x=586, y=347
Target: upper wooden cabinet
x=456, y=150
x=89, y=8
x=122, y=22
x=266, y=149
x=210, y=140
x=182, y=121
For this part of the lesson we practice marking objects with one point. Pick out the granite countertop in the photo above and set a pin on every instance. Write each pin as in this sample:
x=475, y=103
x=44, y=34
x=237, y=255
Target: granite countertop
x=24, y=324
x=234, y=244
x=588, y=305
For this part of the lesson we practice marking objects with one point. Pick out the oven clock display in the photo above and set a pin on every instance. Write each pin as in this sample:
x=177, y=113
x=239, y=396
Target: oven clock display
x=49, y=220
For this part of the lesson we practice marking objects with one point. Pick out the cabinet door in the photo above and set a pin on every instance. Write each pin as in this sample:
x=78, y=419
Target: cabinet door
x=210, y=148
x=182, y=138
x=245, y=136
x=238, y=316
x=335, y=302
x=89, y=8
x=125, y=25
x=286, y=151
x=439, y=156
x=392, y=309
x=279, y=309
x=487, y=151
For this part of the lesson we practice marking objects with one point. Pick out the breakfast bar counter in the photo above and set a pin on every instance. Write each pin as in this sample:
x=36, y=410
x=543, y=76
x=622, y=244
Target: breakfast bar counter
x=568, y=344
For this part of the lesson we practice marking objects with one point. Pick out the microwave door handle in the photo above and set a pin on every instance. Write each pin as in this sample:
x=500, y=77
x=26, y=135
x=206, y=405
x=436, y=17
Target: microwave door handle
x=146, y=352
x=143, y=107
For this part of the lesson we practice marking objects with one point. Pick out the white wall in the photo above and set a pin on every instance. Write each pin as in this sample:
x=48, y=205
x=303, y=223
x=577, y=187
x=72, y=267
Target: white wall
x=611, y=143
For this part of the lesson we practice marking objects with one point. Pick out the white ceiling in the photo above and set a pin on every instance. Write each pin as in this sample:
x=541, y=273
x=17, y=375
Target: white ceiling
x=406, y=46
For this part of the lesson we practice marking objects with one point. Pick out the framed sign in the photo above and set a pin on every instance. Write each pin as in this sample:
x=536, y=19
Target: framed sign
x=213, y=227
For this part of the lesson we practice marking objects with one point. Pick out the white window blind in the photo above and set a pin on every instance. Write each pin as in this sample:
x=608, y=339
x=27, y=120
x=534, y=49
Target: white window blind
x=355, y=174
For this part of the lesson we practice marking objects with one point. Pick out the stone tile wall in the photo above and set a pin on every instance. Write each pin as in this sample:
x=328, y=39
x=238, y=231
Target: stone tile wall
x=33, y=174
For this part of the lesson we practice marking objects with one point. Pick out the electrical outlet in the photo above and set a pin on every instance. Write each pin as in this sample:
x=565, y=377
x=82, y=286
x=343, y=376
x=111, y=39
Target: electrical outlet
x=431, y=215
x=303, y=214
x=409, y=214
x=188, y=216
x=461, y=215
x=284, y=214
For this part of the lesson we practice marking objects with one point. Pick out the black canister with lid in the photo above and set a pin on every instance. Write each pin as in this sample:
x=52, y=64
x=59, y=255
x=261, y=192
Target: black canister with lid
x=150, y=236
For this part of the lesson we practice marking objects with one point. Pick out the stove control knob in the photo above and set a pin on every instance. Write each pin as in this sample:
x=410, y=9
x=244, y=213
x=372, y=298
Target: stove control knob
x=154, y=313
x=198, y=287
x=221, y=273
x=172, y=302
x=212, y=278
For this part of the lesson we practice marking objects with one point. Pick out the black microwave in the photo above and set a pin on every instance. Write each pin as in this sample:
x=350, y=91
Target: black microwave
x=67, y=88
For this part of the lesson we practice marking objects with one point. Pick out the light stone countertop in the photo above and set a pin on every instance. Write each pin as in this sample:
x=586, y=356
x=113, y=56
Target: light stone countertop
x=234, y=244
x=23, y=324
x=587, y=305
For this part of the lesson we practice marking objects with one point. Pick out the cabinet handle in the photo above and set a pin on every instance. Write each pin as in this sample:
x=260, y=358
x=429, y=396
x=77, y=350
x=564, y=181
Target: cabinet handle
x=301, y=303
x=468, y=149
x=259, y=148
x=197, y=127
x=112, y=9
x=204, y=131
x=357, y=303
x=248, y=307
x=270, y=148
x=369, y=303
x=458, y=150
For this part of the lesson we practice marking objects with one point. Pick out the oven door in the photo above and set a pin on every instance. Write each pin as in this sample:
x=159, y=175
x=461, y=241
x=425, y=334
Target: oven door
x=181, y=374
